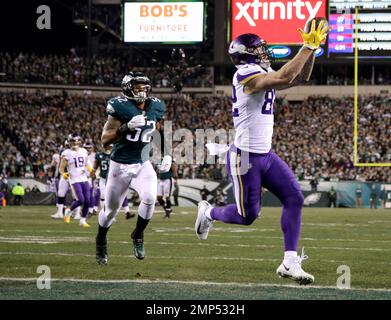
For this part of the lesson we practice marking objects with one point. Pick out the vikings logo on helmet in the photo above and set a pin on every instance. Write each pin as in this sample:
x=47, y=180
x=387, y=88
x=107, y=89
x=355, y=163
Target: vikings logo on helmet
x=88, y=144
x=250, y=48
x=74, y=140
x=136, y=86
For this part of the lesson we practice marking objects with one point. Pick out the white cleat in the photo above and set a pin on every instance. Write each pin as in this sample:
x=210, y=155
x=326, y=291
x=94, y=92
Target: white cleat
x=203, y=224
x=57, y=215
x=294, y=271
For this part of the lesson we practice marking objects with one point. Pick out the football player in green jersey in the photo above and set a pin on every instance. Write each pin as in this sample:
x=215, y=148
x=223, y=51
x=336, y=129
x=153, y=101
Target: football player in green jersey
x=132, y=119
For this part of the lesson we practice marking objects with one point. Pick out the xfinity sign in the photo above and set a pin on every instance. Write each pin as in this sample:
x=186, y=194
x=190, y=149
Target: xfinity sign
x=275, y=21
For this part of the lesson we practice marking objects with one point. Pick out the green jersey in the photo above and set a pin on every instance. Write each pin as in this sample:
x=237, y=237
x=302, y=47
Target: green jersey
x=165, y=175
x=103, y=160
x=135, y=146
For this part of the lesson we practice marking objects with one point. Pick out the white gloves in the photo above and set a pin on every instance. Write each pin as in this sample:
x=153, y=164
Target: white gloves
x=137, y=121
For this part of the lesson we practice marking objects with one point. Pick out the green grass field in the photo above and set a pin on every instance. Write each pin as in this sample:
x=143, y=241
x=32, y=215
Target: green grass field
x=235, y=262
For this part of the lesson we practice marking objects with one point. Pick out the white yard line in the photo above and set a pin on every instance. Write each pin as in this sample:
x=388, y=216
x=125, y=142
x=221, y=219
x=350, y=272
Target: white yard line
x=55, y=240
x=201, y=283
x=174, y=232
x=62, y=254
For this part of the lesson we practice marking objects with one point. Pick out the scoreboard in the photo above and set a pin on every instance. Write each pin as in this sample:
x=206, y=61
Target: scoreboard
x=371, y=26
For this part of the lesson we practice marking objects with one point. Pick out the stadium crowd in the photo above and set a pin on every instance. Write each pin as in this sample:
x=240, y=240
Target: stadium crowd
x=315, y=137
x=374, y=144
x=75, y=69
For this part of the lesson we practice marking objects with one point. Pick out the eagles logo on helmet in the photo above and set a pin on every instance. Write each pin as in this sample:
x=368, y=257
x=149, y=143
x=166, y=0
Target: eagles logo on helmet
x=250, y=48
x=136, y=86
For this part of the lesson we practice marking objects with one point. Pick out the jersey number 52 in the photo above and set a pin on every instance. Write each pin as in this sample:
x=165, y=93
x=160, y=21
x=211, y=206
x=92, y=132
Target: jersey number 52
x=145, y=135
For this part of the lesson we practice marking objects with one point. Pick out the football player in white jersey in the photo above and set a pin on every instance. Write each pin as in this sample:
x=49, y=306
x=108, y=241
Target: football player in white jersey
x=95, y=192
x=75, y=160
x=62, y=186
x=251, y=164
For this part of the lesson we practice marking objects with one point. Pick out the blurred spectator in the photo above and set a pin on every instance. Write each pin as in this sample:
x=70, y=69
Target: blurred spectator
x=35, y=189
x=314, y=184
x=175, y=193
x=3, y=202
x=332, y=196
x=373, y=197
x=18, y=193
x=384, y=195
x=204, y=193
x=358, y=196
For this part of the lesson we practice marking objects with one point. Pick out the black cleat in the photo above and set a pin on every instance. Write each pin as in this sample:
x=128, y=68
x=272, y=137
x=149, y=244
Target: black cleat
x=168, y=213
x=138, y=248
x=101, y=253
x=129, y=215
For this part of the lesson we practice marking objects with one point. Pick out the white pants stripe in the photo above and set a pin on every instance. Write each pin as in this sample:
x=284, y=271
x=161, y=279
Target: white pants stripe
x=234, y=174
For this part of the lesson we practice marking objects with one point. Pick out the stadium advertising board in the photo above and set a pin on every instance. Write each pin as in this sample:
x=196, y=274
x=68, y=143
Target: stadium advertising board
x=275, y=21
x=163, y=21
x=372, y=23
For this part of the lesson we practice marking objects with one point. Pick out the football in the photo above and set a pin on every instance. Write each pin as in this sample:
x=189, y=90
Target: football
x=307, y=27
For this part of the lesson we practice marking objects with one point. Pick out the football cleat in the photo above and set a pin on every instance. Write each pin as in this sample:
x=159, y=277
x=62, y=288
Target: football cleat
x=138, y=247
x=294, y=271
x=57, y=215
x=129, y=215
x=67, y=216
x=101, y=253
x=203, y=224
x=84, y=225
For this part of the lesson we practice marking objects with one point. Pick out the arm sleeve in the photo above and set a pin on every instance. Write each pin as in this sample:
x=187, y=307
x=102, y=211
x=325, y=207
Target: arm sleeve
x=111, y=109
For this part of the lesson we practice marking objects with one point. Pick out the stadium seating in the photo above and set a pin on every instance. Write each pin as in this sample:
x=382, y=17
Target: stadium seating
x=315, y=137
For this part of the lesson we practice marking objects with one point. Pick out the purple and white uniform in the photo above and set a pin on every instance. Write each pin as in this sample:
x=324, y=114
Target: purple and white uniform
x=77, y=168
x=62, y=185
x=251, y=164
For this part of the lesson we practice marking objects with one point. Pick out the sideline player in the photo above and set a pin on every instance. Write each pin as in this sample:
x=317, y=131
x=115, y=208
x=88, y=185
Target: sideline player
x=132, y=119
x=89, y=146
x=251, y=164
x=62, y=186
x=168, y=173
x=75, y=160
